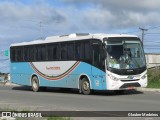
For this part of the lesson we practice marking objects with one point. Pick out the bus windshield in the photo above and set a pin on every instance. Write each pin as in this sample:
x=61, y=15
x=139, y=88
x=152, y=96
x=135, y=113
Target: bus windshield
x=125, y=53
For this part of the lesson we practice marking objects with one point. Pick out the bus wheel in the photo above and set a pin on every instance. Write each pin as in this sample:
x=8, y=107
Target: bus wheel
x=85, y=86
x=35, y=84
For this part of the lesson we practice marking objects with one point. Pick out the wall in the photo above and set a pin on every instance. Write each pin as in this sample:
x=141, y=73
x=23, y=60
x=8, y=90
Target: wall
x=153, y=60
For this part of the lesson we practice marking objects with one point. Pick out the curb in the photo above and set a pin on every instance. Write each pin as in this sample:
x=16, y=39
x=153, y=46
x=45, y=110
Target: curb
x=8, y=84
x=139, y=89
x=148, y=89
x=11, y=84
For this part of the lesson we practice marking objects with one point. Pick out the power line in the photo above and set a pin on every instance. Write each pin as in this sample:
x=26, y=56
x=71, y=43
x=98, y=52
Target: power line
x=155, y=27
x=131, y=32
x=148, y=35
x=151, y=33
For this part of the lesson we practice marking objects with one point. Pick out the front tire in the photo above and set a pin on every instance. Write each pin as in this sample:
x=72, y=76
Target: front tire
x=85, y=86
x=35, y=84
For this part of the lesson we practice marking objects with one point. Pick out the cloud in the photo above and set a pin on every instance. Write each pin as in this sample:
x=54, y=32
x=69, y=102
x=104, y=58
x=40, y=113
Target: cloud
x=20, y=21
x=120, y=4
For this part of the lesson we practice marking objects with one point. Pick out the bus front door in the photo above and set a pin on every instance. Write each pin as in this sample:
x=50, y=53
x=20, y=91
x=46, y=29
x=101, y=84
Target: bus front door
x=96, y=66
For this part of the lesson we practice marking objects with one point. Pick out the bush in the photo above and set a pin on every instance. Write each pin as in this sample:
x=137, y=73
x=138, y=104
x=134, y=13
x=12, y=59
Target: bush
x=154, y=78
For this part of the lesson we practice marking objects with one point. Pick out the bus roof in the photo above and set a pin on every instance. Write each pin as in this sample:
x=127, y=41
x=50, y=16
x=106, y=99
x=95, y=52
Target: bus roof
x=71, y=37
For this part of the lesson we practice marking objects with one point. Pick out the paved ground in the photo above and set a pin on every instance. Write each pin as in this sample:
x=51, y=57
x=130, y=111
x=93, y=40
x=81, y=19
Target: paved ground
x=22, y=98
x=54, y=99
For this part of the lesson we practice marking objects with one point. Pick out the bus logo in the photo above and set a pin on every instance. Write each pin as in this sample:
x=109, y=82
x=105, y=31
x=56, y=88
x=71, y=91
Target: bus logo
x=53, y=68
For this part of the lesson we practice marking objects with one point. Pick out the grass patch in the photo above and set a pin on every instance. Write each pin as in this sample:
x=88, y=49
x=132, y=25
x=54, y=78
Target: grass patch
x=7, y=109
x=153, y=78
x=58, y=118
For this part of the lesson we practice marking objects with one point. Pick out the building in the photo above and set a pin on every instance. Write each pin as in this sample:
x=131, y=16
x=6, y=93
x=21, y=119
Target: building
x=152, y=59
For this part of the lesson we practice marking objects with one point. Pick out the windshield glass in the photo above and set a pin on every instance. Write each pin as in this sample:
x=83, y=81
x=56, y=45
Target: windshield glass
x=124, y=53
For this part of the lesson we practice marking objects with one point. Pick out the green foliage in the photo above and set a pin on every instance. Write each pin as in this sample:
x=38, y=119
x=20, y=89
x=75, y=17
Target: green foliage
x=153, y=78
x=8, y=109
x=58, y=118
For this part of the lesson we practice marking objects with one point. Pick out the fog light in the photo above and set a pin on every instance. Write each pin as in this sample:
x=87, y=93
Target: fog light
x=144, y=76
x=113, y=77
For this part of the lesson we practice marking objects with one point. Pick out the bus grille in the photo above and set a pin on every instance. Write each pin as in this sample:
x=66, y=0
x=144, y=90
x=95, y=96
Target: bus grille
x=126, y=85
x=130, y=80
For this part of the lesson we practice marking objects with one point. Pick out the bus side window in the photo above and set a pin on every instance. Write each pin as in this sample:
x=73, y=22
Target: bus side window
x=38, y=53
x=56, y=52
x=79, y=50
x=12, y=55
x=87, y=50
x=19, y=54
x=96, y=54
x=31, y=53
x=63, y=51
x=43, y=52
x=70, y=51
x=25, y=53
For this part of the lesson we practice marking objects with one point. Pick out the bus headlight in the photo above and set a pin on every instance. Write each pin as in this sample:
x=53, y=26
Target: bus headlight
x=144, y=76
x=113, y=77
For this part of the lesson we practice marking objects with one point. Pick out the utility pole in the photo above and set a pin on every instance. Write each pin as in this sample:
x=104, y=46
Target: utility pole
x=143, y=30
x=40, y=24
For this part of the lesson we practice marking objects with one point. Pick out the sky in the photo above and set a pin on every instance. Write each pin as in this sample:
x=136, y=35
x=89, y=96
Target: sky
x=27, y=20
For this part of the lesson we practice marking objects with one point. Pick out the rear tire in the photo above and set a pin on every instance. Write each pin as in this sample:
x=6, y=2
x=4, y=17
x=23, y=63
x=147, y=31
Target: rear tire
x=35, y=84
x=85, y=86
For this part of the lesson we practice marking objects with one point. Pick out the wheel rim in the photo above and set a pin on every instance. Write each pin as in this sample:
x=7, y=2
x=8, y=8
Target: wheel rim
x=35, y=86
x=85, y=85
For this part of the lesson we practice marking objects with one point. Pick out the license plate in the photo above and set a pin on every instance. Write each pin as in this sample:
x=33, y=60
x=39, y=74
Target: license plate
x=130, y=88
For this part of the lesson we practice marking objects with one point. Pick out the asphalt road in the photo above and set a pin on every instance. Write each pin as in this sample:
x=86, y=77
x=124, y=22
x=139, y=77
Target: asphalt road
x=22, y=98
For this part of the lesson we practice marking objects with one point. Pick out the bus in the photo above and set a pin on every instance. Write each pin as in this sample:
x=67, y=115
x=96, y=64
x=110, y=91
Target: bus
x=80, y=61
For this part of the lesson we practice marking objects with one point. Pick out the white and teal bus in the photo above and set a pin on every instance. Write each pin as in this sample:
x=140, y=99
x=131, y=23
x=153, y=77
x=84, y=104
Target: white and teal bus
x=81, y=61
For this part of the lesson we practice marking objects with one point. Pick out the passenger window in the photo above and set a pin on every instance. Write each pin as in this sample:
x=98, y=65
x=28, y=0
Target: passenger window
x=26, y=54
x=40, y=53
x=63, y=51
x=79, y=51
x=70, y=51
x=19, y=56
x=31, y=53
x=12, y=55
x=53, y=52
x=87, y=50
